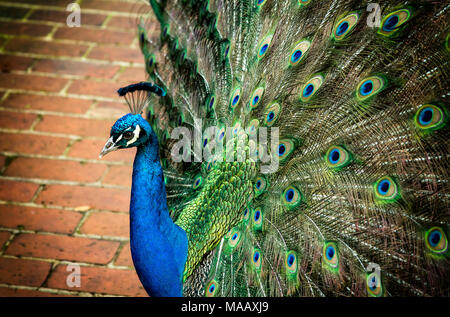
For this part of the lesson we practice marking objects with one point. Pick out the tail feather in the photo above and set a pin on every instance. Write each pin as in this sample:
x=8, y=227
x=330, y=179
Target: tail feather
x=359, y=203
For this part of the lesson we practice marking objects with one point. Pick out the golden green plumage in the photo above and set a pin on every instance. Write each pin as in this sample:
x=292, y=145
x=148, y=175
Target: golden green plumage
x=208, y=217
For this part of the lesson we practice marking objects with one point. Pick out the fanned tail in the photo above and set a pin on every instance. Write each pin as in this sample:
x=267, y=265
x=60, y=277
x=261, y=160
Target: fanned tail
x=359, y=205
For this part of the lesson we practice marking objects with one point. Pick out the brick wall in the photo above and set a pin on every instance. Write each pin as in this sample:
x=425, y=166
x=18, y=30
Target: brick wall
x=59, y=204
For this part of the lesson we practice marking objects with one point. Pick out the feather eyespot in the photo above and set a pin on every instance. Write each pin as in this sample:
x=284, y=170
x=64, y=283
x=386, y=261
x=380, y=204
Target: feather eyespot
x=291, y=263
x=257, y=219
x=227, y=50
x=210, y=102
x=291, y=197
x=285, y=148
x=330, y=255
x=386, y=189
x=393, y=21
x=235, y=97
x=165, y=31
x=272, y=112
x=221, y=134
x=256, y=97
x=429, y=117
x=246, y=213
x=256, y=259
x=235, y=238
x=344, y=26
x=260, y=185
x=150, y=64
x=198, y=181
x=264, y=46
x=311, y=87
x=142, y=39
x=436, y=240
x=237, y=128
x=369, y=87
x=373, y=284
x=225, y=47
x=299, y=52
x=211, y=288
x=337, y=157
x=209, y=165
x=253, y=127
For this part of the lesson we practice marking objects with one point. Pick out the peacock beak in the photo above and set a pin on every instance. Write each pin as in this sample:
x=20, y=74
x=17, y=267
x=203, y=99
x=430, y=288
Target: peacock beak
x=109, y=147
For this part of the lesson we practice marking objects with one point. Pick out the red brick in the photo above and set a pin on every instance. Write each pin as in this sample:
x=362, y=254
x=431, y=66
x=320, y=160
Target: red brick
x=75, y=68
x=76, y=126
x=107, y=224
x=32, y=82
x=112, y=112
x=113, y=105
x=9, y=63
x=12, y=292
x=17, y=191
x=119, y=175
x=93, y=88
x=132, y=75
x=110, y=109
x=124, y=258
x=52, y=103
x=124, y=22
x=46, y=47
x=90, y=149
x=4, y=236
x=23, y=272
x=39, y=219
x=32, y=144
x=61, y=17
x=55, y=169
x=16, y=120
x=94, y=35
x=118, y=6
x=21, y=28
x=95, y=197
x=63, y=248
x=100, y=280
x=123, y=54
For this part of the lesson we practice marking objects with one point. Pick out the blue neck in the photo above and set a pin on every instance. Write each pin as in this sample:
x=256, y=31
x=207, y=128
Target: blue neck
x=158, y=246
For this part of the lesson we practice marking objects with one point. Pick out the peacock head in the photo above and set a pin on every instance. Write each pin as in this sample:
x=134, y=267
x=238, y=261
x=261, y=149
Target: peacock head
x=132, y=130
x=129, y=131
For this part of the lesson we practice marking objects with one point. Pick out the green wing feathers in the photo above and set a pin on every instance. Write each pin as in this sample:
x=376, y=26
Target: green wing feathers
x=359, y=205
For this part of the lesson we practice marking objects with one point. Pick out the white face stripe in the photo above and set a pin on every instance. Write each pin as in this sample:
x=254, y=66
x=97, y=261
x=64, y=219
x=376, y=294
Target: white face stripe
x=136, y=133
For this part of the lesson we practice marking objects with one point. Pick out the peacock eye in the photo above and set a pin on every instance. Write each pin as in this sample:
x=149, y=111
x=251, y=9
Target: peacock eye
x=128, y=135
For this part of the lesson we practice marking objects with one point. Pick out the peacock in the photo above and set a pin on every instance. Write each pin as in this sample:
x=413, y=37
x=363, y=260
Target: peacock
x=290, y=148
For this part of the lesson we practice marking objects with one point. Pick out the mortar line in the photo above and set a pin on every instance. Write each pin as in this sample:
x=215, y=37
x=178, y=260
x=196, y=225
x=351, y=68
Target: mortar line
x=67, y=158
x=61, y=114
x=59, y=234
x=64, y=208
x=41, y=181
